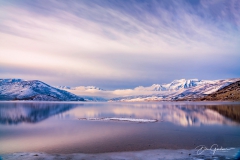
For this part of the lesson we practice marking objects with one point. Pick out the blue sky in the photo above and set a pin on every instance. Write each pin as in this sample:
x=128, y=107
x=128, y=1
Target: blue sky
x=119, y=43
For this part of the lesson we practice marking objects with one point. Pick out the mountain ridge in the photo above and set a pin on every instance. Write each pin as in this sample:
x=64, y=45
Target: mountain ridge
x=18, y=89
x=230, y=92
x=195, y=89
x=182, y=89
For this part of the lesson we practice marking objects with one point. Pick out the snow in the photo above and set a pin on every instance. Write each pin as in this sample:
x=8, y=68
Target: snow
x=17, y=89
x=176, y=85
x=166, y=154
x=177, y=89
x=157, y=92
x=121, y=119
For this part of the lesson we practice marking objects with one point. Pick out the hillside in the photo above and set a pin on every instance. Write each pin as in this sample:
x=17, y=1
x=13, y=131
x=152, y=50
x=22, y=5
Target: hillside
x=18, y=89
x=228, y=93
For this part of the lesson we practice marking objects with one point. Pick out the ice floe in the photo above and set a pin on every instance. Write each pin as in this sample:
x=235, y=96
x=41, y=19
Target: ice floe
x=121, y=119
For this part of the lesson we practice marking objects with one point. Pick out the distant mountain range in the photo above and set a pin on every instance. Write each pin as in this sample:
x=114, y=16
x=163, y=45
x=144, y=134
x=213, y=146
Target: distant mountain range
x=176, y=85
x=178, y=90
x=84, y=88
x=183, y=89
x=18, y=89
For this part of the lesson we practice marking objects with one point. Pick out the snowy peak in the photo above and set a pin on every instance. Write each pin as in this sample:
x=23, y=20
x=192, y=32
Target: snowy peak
x=154, y=87
x=157, y=87
x=182, y=84
x=173, y=86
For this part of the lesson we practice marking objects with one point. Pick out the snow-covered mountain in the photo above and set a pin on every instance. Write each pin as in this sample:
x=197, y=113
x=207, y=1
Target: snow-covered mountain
x=175, y=85
x=228, y=93
x=18, y=89
x=178, y=89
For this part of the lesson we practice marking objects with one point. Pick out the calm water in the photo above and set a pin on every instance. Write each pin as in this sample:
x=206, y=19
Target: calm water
x=56, y=128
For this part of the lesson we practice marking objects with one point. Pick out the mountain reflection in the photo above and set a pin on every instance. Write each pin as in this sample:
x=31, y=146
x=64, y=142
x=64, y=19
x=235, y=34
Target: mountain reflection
x=228, y=111
x=178, y=114
x=195, y=116
x=14, y=113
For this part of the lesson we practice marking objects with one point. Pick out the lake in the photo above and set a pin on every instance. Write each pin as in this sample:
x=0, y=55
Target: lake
x=66, y=127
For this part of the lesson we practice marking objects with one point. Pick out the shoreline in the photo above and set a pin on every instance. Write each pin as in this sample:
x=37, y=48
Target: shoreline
x=167, y=154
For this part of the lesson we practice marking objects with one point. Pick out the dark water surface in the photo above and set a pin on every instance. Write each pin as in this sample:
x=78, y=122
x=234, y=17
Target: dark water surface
x=55, y=127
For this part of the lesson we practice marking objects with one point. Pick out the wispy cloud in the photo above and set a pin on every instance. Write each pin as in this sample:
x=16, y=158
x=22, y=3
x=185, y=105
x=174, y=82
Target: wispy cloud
x=120, y=43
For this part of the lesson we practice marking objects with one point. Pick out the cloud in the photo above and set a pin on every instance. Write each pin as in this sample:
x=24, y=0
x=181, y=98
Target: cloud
x=120, y=43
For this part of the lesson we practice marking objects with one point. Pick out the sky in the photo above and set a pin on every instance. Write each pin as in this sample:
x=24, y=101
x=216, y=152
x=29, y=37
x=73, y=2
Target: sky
x=116, y=44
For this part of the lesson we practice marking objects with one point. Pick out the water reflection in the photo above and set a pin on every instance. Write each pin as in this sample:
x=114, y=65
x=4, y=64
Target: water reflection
x=228, y=111
x=60, y=131
x=178, y=114
x=14, y=113
x=183, y=115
